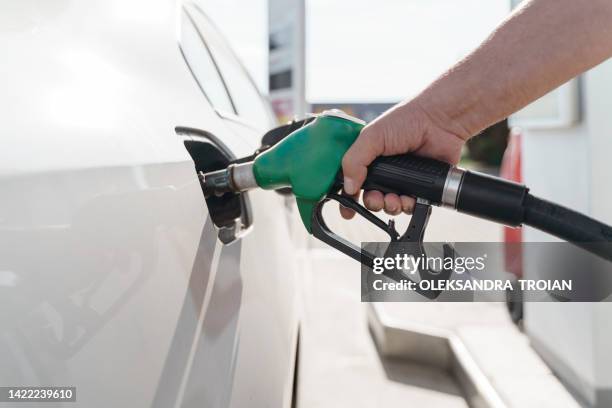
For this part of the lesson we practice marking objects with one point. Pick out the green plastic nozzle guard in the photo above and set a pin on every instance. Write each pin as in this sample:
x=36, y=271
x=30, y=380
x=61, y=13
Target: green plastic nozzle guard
x=307, y=161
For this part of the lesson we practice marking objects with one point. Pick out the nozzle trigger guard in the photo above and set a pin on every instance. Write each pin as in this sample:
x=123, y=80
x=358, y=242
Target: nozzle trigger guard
x=413, y=234
x=321, y=231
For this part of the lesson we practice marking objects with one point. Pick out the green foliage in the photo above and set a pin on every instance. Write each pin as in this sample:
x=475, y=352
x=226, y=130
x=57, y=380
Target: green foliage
x=489, y=146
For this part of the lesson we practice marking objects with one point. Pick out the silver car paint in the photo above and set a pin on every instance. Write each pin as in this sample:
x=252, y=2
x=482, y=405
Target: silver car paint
x=111, y=276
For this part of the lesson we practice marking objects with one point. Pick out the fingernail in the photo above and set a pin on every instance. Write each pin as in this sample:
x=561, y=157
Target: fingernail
x=349, y=186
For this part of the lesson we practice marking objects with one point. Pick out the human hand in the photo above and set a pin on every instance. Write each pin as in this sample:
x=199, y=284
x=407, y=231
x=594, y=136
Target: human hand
x=407, y=127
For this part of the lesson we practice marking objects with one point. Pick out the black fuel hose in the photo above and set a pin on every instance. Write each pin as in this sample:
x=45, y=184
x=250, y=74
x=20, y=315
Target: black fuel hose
x=569, y=225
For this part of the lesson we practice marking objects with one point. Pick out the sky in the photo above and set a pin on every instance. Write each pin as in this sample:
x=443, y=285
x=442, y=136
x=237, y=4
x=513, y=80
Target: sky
x=365, y=50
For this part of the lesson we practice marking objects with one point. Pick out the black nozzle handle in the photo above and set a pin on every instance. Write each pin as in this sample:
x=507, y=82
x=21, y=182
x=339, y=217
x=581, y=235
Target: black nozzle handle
x=440, y=183
x=409, y=175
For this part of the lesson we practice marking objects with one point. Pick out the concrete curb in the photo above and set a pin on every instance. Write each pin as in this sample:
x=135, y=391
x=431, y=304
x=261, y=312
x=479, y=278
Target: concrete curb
x=435, y=347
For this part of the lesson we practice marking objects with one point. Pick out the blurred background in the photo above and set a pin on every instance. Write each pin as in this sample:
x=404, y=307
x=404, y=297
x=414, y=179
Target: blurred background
x=363, y=56
x=350, y=60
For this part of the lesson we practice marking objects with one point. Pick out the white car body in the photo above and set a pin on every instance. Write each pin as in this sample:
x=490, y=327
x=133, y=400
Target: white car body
x=112, y=278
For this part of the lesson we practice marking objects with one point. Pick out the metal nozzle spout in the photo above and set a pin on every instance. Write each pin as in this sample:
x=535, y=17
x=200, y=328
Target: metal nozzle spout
x=233, y=179
x=216, y=183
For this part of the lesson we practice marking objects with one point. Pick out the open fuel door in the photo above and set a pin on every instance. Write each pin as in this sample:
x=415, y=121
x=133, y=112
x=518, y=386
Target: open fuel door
x=231, y=213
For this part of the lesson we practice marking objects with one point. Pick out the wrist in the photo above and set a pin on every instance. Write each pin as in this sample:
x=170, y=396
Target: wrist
x=461, y=101
x=447, y=113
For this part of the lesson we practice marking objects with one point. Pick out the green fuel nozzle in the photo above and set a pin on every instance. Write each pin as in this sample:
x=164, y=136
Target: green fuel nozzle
x=308, y=157
x=307, y=161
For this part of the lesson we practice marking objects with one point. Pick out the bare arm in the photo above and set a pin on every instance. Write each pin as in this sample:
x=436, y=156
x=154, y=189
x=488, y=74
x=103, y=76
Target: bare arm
x=540, y=46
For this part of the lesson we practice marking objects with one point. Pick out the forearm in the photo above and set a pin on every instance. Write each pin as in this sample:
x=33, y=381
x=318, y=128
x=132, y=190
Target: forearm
x=539, y=47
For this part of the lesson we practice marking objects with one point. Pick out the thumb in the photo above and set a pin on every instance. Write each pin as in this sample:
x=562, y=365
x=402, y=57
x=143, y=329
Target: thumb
x=355, y=162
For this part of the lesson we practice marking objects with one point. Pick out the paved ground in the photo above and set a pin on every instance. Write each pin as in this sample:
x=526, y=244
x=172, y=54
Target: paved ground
x=339, y=364
x=501, y=352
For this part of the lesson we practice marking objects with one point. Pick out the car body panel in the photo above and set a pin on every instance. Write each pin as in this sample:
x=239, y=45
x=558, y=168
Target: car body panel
x=111, y=276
